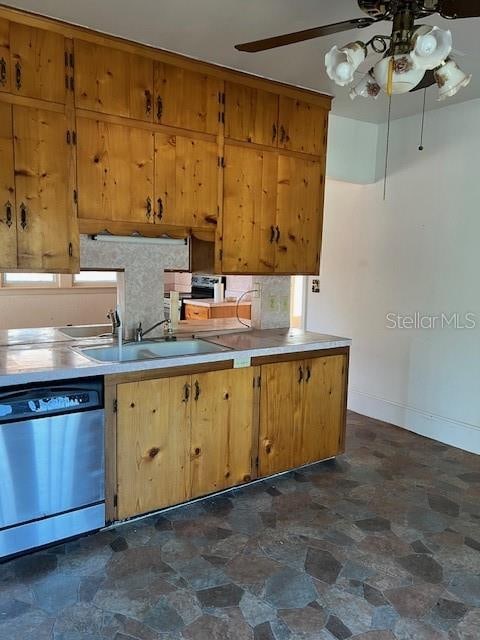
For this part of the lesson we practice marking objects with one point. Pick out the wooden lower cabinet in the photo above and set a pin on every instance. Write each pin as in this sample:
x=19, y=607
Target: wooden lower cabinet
x=187, y=436
x=302, y=412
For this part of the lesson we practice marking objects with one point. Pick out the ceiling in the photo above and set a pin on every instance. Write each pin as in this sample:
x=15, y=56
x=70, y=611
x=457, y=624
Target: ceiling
x=208, y=29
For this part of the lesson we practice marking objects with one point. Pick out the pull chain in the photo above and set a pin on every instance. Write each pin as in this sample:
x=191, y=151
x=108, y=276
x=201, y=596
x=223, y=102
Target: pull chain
x=421, y=147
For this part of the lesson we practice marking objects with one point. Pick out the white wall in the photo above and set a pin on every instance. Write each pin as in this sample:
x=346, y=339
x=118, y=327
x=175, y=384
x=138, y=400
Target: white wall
x=418, y=251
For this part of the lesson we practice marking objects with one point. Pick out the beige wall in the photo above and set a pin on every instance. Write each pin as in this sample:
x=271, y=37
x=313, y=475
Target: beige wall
x=24, y=309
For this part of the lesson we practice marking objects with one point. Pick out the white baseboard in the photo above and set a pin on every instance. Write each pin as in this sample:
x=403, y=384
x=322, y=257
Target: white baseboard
x=452, y=432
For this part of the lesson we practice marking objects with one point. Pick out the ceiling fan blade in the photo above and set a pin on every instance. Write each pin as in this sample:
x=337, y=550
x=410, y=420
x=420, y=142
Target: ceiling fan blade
x=459, y=9
x=306, y=34
x=427, y=81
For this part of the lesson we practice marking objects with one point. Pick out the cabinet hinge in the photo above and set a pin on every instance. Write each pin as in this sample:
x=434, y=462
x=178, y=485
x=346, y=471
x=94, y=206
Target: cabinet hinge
x=75, y=196
x=220, y=254
x=115, y=405
x=257, y=461
x=259, y=381
x=69, y=136
x=115, y=500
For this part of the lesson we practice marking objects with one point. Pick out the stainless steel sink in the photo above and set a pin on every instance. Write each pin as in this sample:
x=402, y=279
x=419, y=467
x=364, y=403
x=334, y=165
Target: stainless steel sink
x=151, y=350
x=86, y=330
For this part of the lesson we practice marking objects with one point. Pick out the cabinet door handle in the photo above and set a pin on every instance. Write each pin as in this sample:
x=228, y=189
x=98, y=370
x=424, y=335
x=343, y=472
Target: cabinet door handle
x=3, y=72
x=70, y=250
x=148, y=101
x=309, y=374
x=283, y=134
x=149, y=207
x=160, y=208
x=186, y=393
x=274, y=132
x=277, y=230
x=300, y=375
x=272, y=234
x=8, y=214
x=159, y=108
x=23, y=216
x=197, y=391
x=18, y=76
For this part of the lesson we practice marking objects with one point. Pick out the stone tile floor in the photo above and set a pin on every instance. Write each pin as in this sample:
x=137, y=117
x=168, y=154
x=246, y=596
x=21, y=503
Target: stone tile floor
x=381, y=544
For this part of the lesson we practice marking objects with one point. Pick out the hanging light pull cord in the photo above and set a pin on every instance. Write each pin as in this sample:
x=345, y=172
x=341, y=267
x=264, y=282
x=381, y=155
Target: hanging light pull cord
x=421, y=147
x=387, y=148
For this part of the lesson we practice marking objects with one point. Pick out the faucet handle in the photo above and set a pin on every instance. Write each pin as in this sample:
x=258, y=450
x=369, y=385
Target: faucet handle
x=139, y=332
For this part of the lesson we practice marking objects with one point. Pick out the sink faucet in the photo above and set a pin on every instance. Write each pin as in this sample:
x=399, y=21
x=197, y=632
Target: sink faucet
x=140, y=333
x=114, y=318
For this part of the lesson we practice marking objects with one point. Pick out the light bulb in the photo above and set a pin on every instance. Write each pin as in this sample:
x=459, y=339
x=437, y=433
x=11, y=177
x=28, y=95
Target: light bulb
x=344, y=71
x=426, y=46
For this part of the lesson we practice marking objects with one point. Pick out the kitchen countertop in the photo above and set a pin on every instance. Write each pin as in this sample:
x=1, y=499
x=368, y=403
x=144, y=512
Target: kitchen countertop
x=210, y=303
x=45, y=360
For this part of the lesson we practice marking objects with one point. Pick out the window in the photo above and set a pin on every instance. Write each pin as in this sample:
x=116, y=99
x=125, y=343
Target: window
x=29, y=279
x=95, y=278
x=92, y=279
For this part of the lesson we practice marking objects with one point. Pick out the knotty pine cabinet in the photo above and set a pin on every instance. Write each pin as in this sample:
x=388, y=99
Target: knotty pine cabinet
x=272, y=211
x=198, y=432
x=34, y=63
x=38, y=225
x=302, y=412
x=182, y=437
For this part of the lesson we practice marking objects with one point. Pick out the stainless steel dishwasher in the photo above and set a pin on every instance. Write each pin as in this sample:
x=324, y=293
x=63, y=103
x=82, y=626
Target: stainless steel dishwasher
x=51, y=463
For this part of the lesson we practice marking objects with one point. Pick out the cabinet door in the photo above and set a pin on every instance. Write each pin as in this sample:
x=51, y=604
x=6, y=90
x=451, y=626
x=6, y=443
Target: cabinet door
x=193, y=312
x=8, y=226
x=280, y=416
x=5, y=71
x=44, y=181
x=302, y=126
x=186, y=181
x=250, y=184
x=153, y=445
x=299, y=215
x=115, y=172
x=251, y=115
x=222, y=419
x=37, y=63
x=112, y=81
x=323, y=424
x=187, y=99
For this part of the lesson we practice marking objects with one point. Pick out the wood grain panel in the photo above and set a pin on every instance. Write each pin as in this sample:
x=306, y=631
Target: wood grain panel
x=222, y=422
x=302, y=126
x=112, y=81
x=281, y=416
x=5, y=66
x=251, y=114
x=153, y=445
x=38, y=56
x=46, y=224
x=250, y=185
x=187, y=99
x=8, y=225
x=323, y=422
x=115, y=171
x=299, y=215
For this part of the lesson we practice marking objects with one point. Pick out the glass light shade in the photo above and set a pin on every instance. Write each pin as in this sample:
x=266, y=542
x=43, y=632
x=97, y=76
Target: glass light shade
x=406, y=75
x=368, y=87
x=342, y=63
x=450, y=79
x=432, y=46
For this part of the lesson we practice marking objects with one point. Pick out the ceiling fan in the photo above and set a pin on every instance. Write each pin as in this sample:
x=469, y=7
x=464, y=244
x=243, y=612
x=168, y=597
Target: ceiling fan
x=414, y=56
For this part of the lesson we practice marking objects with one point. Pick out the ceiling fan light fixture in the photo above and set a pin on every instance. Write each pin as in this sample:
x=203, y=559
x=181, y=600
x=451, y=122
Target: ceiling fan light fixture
x=431, y=47
x=368, y=87
x=342, y=63
x=450, y=79
x=406, y=74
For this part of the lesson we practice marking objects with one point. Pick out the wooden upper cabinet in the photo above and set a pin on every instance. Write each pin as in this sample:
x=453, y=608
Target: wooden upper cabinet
x=111, y=81
x=8, y=226
x=153, y=445
x=114, y=171
x=44, y=170
x=186, y=181
x=222, y=430
x=249, y=203
x=187, y=99
x=251, y=115
x=5, y=67
x=38, y=63
x=302, y=126
x=299, y=215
